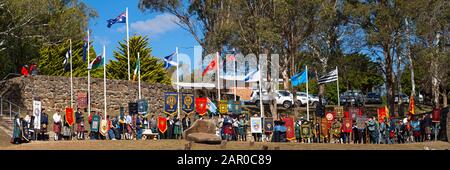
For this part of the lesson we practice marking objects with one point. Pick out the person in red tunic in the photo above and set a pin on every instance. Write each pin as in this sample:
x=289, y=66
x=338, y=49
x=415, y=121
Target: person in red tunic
x=25, y=70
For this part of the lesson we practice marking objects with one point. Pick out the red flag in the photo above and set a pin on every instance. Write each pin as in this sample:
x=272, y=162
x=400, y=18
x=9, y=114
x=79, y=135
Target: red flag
x=200, y=105
x=70, y=117
x=290, y=130
x=411, y=105
x=382, y=113
x=162, y=124
x=211, y=66
x=347, y=125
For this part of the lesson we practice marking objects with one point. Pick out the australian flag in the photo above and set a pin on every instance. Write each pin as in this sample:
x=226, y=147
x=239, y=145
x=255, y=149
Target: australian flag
x=122, y=18
x=168, y=61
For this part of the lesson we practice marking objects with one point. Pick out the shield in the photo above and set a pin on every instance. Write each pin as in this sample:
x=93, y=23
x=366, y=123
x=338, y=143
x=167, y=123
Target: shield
x=223, y=107
x=103, y=127
x=361, y=122
x=255, y=125
x=133, y=108
x=170, y=102
x=200, y=105
x=162, y=124
x=36, y=113
x=188, y=103
x=142, y=106
x=70, y=117
x=347, y=125
x=290, y=129
x=268, y=124
x=329, y=116
x=95, y=123
x=82, y=100
x=436, y=115
x=306, y=130
x=324, y=127
x=339, y=110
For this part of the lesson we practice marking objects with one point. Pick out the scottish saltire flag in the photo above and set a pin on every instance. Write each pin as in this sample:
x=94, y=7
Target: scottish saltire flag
x=66, y=62
x=85, y=46
x=329, y=77
x=97, y=62
x=136, y=70
x=299, y=78
x=252, y=77
x=122, y=18
x=168, y=61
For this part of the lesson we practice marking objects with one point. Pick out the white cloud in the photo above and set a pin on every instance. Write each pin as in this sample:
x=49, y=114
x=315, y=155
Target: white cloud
x=158, y=25
x=102, y=40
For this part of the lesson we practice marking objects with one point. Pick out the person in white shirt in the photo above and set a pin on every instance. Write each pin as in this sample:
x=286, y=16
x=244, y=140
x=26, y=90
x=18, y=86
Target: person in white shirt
x=57, y=124
x=128, y=122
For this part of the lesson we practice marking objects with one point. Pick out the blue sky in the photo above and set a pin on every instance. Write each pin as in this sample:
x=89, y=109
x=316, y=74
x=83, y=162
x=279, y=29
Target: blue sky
x=163, y=32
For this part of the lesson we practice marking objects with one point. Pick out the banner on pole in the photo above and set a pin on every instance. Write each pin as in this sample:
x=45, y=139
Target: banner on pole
x=170, y=102
x=223, y=107
x=132, y=108
x=268, y=124
x=347, y=125
x=95, y=123
x=142, y=106
x=339, y=110
x=361, y=122
x=36, y=113
x=200, y=105
x=305, y=130
x=70, y=117
x=290, y=129
x=162, y=124
x=188, y=103
x=255, y=125
x=324, y=127
x=82, y=100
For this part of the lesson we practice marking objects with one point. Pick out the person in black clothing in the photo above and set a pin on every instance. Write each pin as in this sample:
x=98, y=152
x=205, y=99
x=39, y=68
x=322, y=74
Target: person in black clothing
x=186, y=122
x=80, y=124
x=427, y=123
x=44, y=125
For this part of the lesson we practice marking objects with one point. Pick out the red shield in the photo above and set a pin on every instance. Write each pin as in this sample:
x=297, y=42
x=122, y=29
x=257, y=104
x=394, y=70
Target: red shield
x=290, y=129
x=200, y=105
x=162, y=124
x=70, y=117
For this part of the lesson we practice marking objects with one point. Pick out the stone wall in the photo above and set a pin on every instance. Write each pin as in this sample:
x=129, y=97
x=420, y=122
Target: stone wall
x=55, y=93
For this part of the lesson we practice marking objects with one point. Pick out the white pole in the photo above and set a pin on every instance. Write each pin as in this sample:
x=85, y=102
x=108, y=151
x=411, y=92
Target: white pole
x=128, y=43
x=337, y=84
x=178, y=87
x=235, y=79
x=218, y=76
x=139, y=75
x=89, y=79
x=307, y=94
x=104, y=78
x=261, y=106
x=71, y=77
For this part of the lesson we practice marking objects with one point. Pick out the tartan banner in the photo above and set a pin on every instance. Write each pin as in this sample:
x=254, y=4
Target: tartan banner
x=361, y=122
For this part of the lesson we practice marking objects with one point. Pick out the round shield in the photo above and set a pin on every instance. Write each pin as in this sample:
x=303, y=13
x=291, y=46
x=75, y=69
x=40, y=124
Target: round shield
x=329, y=116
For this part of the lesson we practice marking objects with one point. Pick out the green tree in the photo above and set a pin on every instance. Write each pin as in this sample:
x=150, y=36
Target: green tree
x=152, y=70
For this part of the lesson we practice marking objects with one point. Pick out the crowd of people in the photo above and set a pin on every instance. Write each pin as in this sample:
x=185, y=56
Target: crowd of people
x=229, y=127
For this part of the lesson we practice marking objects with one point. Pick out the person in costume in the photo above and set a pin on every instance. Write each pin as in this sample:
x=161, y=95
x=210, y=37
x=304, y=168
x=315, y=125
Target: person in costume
x=66, y=131
x=129, y=129
x=177, y=127
x=427, y=123
x=79, y=117
x=415, y=125
x=44, y=125
x=297, y=131
x=373, y=130
x=139, y=126
x=57, y=124
x=110, y=129
x=186, y=122
x=17, y=132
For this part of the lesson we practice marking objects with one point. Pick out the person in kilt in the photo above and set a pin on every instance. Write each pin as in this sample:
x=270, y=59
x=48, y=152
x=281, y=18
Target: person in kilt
x=297, y=131
x=44, y=125
x=373, y=130
x=79, y=117
x=177, y=131
x=57, y=124
x=17, y=132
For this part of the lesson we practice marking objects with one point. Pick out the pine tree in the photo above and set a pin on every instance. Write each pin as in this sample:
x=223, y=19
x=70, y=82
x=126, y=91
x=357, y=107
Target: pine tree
x=152, y=70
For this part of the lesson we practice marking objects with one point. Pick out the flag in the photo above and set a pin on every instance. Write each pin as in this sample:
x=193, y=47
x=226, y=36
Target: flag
x=290, y=129
x=330, y=77
x=231, y=58
x=85, y=46
x=97, y=62
x=211, y=66
x=211, y=106
x=252, y=77
x=138, y=65
x=200, y=106
x=411, y=105
x=162, y=124
x=66, y=62
x=299, y=78
x=122, y=18
x=168, y=61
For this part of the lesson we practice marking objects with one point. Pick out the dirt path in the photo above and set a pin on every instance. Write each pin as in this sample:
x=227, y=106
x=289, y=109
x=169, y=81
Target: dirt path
x=180, y=144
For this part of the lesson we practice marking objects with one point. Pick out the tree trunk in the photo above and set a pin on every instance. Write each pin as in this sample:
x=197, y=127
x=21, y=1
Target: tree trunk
x=409, y=55
x=444, y=97
x=389, y=80
x=435, y=83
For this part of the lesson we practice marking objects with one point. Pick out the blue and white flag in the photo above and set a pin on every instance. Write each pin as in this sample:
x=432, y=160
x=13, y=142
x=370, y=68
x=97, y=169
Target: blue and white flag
x=168, y=61
x=253, y=76
x=211, y=106
x=299, y=78
x=122, y=18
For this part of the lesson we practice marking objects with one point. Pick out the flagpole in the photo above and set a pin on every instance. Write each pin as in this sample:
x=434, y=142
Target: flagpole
x=139, y=75
x=89, y=78
x=261, y=106
x=307, y=94
x=128, y=43
x=218, y=76
x=178, y=87
x=337, y=85
x=71, y=77
x=235, y=78
x=104, y=78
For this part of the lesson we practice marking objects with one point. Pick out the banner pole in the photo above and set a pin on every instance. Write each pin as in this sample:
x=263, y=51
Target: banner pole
x=178, y=87
x=307, y=94
x=89, y=78
x=337, y=84
x=128, y=43
x=218, y=76
x=104, y=78
x=261, y=106
x=71, y=77
x=139, y=75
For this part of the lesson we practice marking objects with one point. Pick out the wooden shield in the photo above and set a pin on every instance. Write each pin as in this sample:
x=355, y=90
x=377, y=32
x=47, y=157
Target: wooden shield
x=223, y=107
x=70, y=117
x=162, y=124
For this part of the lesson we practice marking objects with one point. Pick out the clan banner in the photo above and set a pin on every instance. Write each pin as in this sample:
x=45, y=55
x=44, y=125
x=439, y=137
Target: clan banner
x=200, y=105
x=255, y=125
x=132, y=108
x=436, y=115
x=268, y=124
x=290, y=129
x=329, y=116
x=223, y=107
x=324, y=127
x=170, y=102
x=339, y=110
x=37, y=113
x=95, y=123
x=82, y=100
x=142, y=106
x=104, y=127
x=187, y=104
x=70, y=117
x=162, y=124
x=305, y=130
x=347, y=125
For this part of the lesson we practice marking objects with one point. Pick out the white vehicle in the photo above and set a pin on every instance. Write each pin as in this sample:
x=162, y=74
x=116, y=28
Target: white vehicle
x=313, y=100
x=282, y=97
